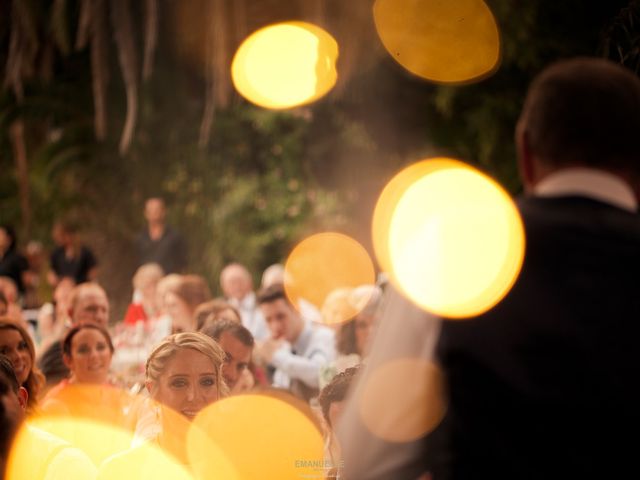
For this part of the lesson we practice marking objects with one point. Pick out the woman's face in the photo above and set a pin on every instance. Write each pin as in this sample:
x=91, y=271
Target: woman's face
x=90, y=357
x=16, y=349
x=180, y=313
x=188, y=384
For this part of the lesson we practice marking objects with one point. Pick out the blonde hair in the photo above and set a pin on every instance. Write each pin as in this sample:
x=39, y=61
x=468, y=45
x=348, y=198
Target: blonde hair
x=165, y=351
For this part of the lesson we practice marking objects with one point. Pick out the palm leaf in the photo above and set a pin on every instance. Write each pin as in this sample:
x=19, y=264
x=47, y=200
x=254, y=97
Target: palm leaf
x=123, y=30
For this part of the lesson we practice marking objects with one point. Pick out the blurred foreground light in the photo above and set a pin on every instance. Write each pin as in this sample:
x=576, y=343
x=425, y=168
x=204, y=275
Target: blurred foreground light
x=285, y=65
x=442, y=41
x=50, y=451
x=260, y=436
x=98, y=440
x=402, y=400
x=322, y=270
x=450, y=236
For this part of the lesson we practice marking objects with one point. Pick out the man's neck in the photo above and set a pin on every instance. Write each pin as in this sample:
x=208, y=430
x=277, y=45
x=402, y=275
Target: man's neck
x=156, y=230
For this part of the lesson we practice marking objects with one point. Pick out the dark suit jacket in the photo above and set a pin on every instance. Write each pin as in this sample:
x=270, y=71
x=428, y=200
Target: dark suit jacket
x=547, y=383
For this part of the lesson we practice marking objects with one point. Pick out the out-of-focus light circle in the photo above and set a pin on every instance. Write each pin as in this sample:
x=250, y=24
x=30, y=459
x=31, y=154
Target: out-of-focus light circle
x=388, y=201
x=97, y=439
x=443, y=41
x=285, y=65
x=407, y=416
x=52, y=447
x=261, y=437
x=322, y=268
x=456, y=242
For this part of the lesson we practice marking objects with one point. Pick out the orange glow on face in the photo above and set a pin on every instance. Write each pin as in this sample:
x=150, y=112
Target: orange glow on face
x=442, y=41
x=322, y=265
x=275, y=436
x=285, y=65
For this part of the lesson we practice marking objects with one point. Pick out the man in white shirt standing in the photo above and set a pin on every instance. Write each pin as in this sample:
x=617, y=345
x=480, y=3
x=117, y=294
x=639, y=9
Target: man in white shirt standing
x=297, y=348
x=237, y=287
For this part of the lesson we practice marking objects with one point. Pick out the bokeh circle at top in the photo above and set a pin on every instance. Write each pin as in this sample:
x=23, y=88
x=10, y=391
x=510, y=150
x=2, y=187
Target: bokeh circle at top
x=285, y=65
x=441, y=41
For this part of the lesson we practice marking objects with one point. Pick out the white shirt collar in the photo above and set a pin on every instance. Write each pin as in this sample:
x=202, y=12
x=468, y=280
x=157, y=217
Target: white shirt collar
x=588, y=182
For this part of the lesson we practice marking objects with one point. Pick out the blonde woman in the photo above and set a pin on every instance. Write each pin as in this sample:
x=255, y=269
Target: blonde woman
x=183, y=376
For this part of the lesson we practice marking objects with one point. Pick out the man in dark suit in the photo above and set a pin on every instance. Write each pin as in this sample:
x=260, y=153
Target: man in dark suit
x=545, y=384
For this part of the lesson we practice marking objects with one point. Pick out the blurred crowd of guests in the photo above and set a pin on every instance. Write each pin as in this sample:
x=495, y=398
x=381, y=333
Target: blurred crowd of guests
x=173, y=328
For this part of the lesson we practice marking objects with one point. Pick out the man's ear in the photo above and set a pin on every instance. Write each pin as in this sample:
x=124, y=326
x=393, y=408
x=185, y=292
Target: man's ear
x=23, y=397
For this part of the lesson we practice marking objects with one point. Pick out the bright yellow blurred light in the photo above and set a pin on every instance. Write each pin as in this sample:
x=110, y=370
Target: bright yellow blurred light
x=443, y=41
x=322, y=265
x=456, y=240
x=403, y=400
x=388, y=201
x=98, y=440
x=260, y=437
x=146, y=461
x=285, y=65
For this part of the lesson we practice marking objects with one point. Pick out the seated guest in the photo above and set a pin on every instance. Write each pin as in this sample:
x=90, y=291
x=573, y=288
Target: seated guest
x=237, y=343
x=53, y=317
x=214, y=310
x=352, y=338
x=36, y=454
x=12, y=264
x=184, y=375
x=331, y=400
x=237, y=287
x=275, y=274
x=87, y=352
x=70, y=258
x=181, y=302
x=17, y=346
x=10, y=291
x=144, y=305
x=297, y=348
x=88, y=303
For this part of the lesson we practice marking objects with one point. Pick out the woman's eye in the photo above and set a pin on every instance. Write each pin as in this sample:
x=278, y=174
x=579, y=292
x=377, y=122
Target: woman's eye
x=23, y=345
x=83, y=349
x=4, y=350
x=208, y=381
x=101, y=347
x=179, y=383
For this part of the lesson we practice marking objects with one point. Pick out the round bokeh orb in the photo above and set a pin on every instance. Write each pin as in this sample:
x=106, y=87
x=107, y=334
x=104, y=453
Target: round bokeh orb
x=285, y=65
x=455, y=240
x=323, y=269
x=258, y=436
x=442, y=41
x=411, y=415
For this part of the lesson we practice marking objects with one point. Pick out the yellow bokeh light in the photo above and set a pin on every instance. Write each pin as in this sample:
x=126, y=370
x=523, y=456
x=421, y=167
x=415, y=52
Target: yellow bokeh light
x=285, y=65
x=99, y=440
x=455, y=242
x=259, y=437
x=443, y=41
x=322, y=265
x=146, y=461
x=414, y=413
x=388, y=201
